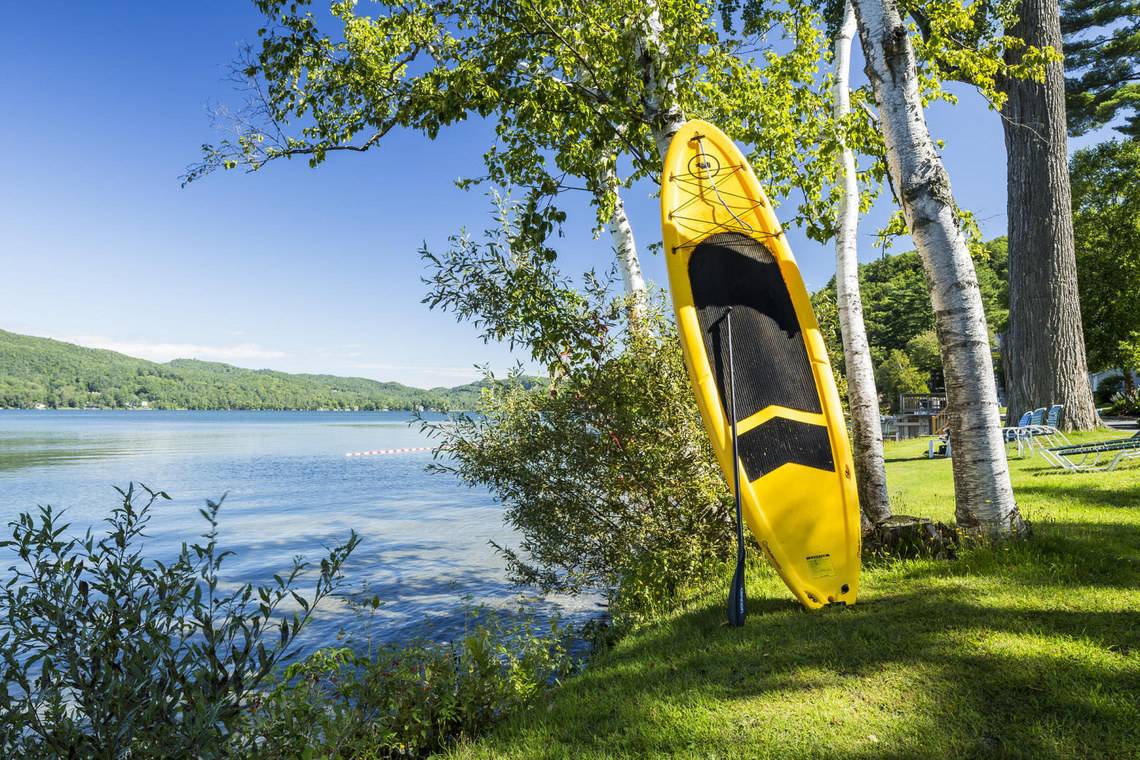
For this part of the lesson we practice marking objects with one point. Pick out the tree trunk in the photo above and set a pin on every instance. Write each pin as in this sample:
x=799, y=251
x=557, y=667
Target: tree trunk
x=661, y=110
x=983, y=496
x=626, y=249
x=862, y=394
x=1045, y=341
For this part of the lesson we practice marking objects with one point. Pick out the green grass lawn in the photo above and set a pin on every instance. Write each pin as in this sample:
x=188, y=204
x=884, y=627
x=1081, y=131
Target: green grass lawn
x=1025, y=650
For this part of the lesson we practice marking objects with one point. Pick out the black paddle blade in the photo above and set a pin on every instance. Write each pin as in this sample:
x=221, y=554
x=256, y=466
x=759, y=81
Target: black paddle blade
x=737, y=599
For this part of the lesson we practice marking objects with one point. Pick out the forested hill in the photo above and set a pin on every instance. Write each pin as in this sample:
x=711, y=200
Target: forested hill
x=60, y=375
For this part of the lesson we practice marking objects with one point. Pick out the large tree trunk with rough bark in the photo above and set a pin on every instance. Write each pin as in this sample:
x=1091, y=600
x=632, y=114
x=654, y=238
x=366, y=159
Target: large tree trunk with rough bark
x=862, y=393
x=1045, y=344
x=984, y=503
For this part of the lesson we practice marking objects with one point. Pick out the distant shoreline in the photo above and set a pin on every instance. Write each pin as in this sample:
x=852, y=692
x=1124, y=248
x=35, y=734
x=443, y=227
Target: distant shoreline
x=41, y=374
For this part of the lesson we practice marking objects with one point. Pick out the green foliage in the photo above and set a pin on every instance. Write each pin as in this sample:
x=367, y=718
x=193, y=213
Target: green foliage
x=926, y=355
x=573, y=105
x=897, y=375
x=107, y=655
x=1124, y=402
x=606, y=473
x=512, y=291
x=1108, y=388
x=1102, y=53
x=408, y=700
x=827, y=315
x=61, y=376
x=1118, y=396
x=1106, y=225
x=966, y=41
x=896, y=300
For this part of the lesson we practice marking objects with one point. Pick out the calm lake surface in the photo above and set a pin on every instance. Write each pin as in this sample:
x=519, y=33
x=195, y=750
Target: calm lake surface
x=289, y=489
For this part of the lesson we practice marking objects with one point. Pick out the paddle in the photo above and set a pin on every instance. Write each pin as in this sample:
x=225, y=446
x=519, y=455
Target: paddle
x=737, y=600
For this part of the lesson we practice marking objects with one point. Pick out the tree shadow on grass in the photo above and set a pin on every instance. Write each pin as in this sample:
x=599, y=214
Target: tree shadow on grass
x=919, y=457
x=935, y=675
x=1061, y=556
x=1085, y=488
x=934, y=670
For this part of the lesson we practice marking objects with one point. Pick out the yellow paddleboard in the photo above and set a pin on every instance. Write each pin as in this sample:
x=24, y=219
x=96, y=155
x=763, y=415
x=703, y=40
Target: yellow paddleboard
x=725, y=248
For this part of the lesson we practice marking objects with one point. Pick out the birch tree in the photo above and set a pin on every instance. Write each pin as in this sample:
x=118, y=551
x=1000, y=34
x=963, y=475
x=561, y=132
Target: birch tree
x=582, y=95
x=1009, y=50
x=862, y=393
x=585, y=95
x=984, y=500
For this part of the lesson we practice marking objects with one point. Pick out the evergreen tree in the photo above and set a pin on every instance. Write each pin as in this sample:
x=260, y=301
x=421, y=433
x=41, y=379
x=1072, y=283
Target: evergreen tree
x=1102, y=55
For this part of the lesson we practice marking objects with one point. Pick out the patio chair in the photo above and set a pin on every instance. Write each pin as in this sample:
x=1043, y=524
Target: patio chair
x=1019, y=434
x=1043, y=424
x=1050, y=429
x=1087, y=457
x=1053, y=416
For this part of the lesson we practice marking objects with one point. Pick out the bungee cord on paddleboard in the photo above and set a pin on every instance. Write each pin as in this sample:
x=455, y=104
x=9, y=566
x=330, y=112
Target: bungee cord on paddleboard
x=707, y=164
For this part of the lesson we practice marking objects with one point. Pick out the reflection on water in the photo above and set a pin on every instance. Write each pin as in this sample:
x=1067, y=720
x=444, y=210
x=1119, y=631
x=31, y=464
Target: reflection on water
x=289, y=489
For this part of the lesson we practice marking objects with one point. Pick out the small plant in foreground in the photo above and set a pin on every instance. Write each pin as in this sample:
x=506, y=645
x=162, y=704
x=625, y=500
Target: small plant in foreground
x=108, y=655
x=408, y=700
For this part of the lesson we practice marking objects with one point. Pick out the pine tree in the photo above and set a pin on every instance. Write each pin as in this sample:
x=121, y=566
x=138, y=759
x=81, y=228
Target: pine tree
x=1102, y=56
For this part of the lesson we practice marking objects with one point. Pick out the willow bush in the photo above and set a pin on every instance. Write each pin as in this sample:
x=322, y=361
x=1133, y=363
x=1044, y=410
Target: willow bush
x=106, y=654
x=607, y=474
x=605, y=470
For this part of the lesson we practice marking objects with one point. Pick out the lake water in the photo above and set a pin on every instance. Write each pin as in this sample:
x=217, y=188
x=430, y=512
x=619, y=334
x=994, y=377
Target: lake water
x=289, y=490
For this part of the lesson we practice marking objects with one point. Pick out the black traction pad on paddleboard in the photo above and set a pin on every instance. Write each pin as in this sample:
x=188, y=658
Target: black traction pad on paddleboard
x=780, y=441
x=771, y=361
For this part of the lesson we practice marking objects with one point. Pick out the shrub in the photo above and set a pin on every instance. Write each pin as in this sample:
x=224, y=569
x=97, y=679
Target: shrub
x=107, y=655
x=407, y=700
x=607, y=473
x=1124, y=404
x=1109, y=388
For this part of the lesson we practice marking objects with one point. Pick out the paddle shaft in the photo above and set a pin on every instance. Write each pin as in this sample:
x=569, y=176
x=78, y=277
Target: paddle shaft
x=737, y=600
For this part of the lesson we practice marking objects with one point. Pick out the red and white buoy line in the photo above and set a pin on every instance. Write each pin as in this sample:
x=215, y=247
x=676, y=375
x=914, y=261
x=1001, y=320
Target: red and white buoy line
x=391, y=451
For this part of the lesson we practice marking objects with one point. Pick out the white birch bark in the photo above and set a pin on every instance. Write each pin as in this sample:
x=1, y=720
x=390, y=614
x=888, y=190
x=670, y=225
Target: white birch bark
x=621, y=233
x=625, y=248
x=661, y=109
x=983, y=496
x=862, y=393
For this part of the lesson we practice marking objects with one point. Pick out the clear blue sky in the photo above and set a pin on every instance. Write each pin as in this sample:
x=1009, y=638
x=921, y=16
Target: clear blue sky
x=290, y=268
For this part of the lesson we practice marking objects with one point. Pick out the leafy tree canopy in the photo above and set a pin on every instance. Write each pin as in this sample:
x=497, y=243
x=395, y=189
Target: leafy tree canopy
x=562, y=82
x=1106, y=225
x=897, y=375
x=896, y=300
